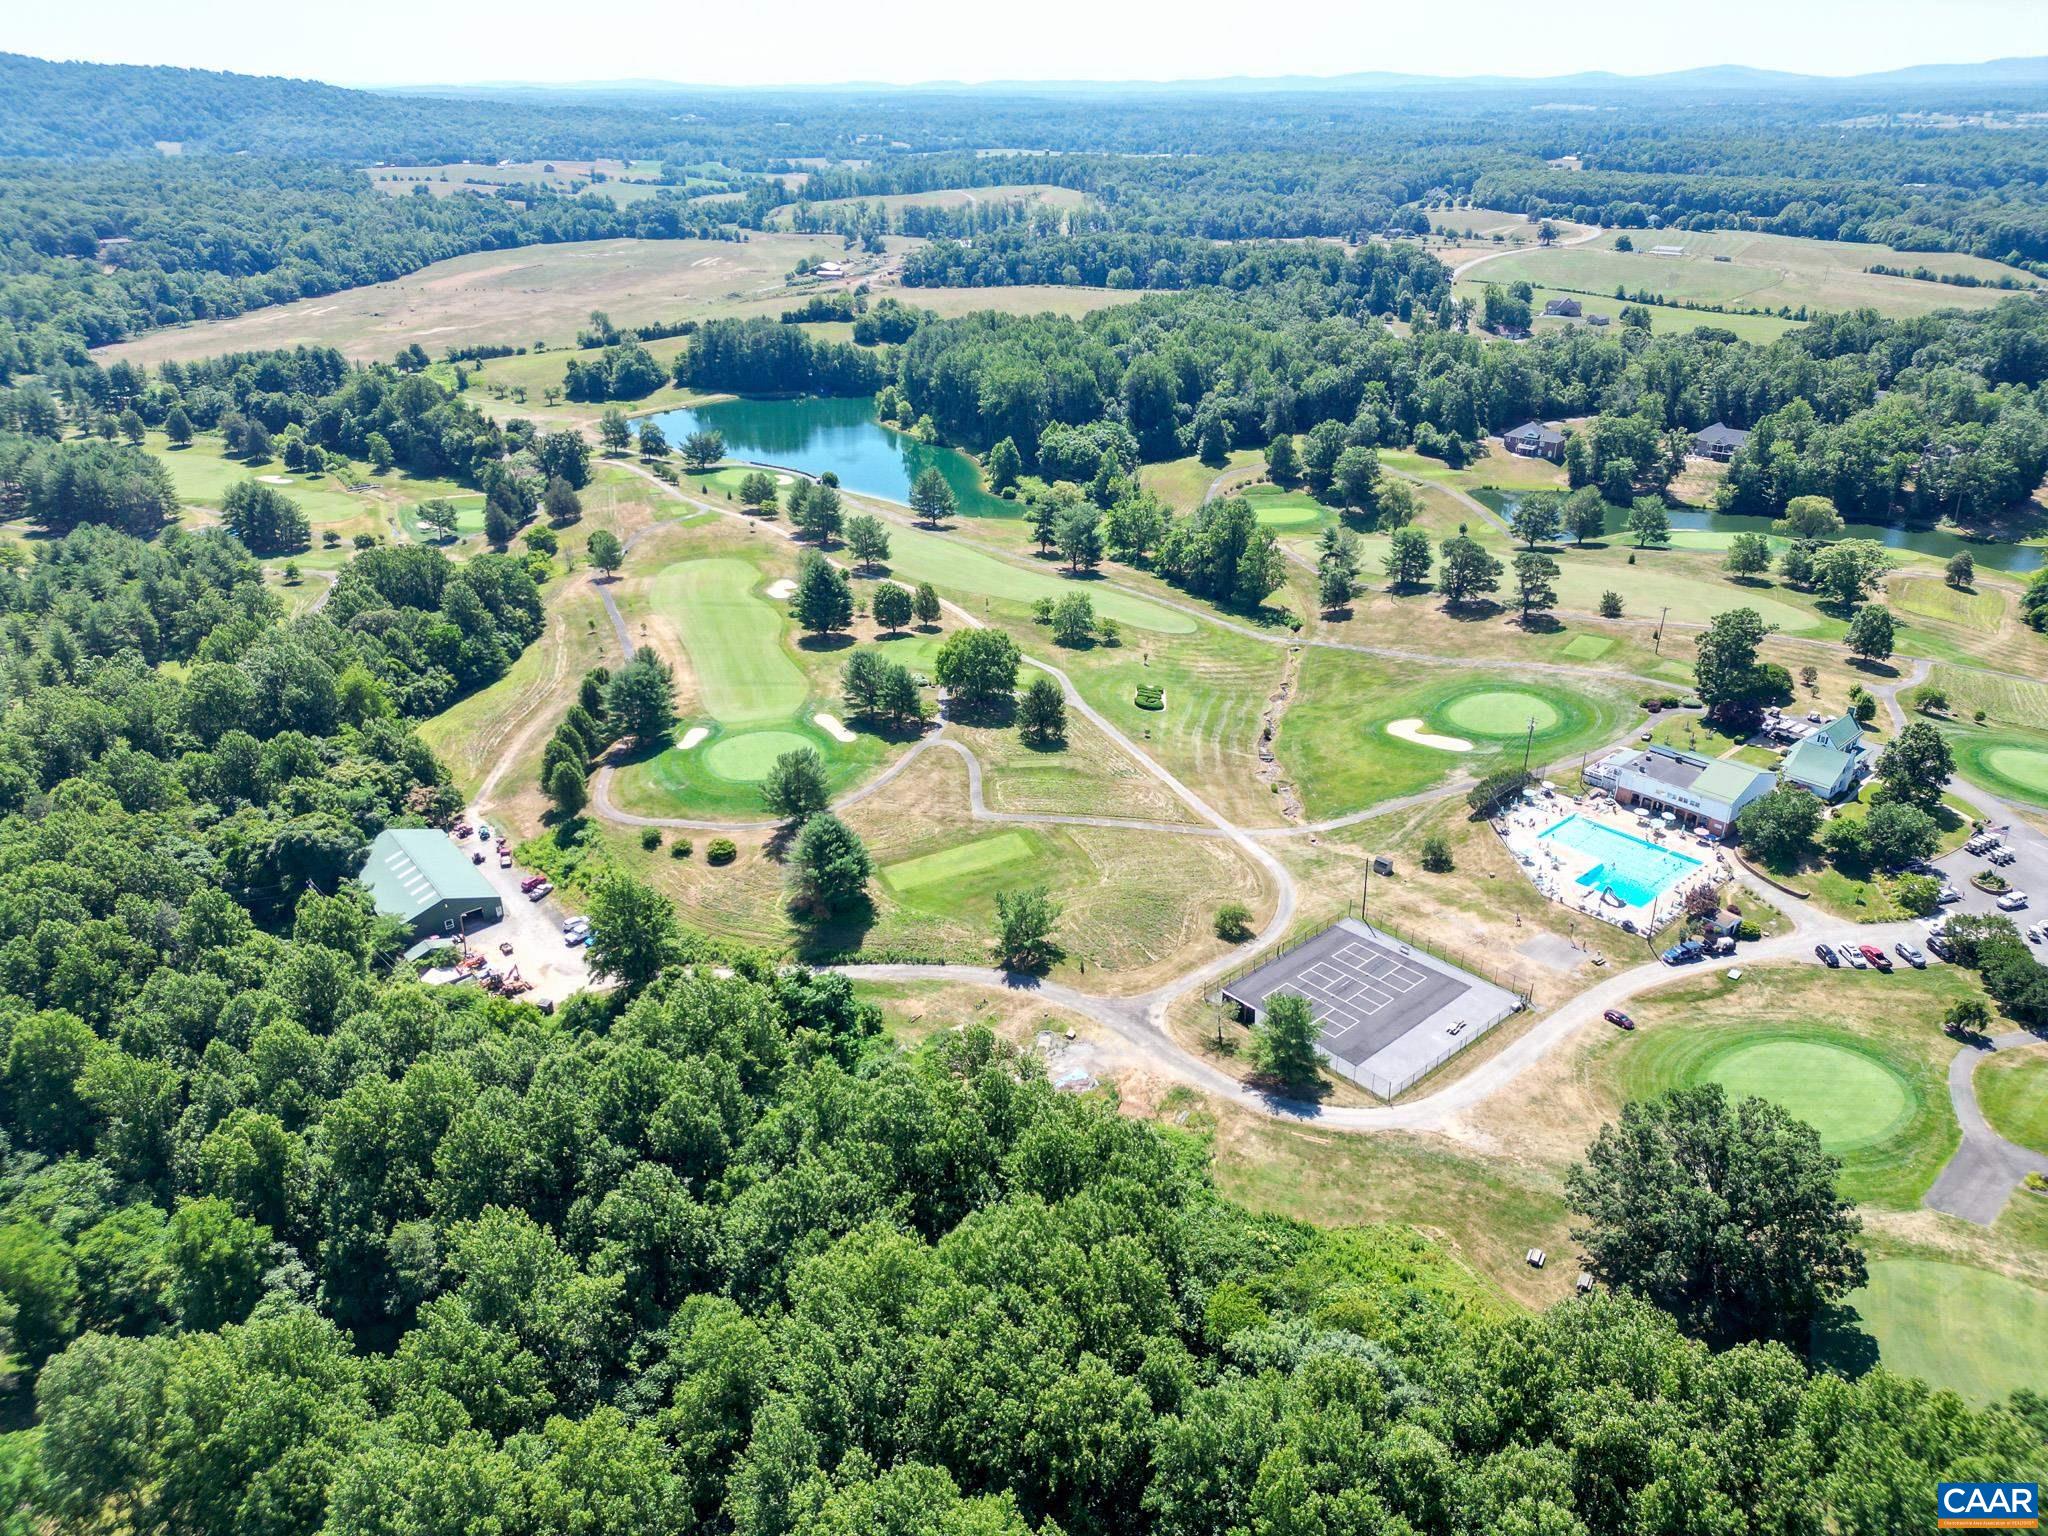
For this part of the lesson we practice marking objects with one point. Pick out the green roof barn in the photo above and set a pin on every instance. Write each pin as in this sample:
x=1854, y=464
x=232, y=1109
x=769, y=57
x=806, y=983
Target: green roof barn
x=419, y=876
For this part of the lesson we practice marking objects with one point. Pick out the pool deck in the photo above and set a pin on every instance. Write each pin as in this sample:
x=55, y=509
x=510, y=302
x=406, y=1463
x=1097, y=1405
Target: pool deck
x=1554, y=868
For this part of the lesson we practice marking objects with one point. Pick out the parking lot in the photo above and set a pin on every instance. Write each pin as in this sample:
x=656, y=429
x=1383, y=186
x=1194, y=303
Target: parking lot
x=533, y=929
x=2028, y=872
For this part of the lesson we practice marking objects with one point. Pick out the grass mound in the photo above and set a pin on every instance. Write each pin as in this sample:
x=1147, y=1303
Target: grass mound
x=1149, y=696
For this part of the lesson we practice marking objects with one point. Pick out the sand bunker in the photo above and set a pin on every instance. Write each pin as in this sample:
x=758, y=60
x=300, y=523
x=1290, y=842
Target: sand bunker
x=692, y=736
x=782, y=589
x=785, y=479
x=1411, y=730
x=832, y=726
x=275, y=479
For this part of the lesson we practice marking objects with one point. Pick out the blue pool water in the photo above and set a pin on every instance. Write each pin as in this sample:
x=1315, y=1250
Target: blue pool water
x=1638, y=872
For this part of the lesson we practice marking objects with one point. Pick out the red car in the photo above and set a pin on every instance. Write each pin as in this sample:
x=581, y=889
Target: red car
x=1618, y=1019
x=464, y=830
x=1879, y=960
x=532, y=881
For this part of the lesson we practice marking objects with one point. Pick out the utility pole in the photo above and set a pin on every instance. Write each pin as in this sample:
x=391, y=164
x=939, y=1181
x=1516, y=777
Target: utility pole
x=1528, y=742
x=1660, y=628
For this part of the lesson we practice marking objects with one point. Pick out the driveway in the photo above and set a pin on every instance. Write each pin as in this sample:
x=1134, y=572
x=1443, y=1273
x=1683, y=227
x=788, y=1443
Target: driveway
x=534, y=929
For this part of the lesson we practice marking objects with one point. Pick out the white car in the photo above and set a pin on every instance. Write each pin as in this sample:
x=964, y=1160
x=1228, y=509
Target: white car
x=1853, y=955
x=2012, y=901
x=543, y=889
x=2035, y=935
x=577, y=924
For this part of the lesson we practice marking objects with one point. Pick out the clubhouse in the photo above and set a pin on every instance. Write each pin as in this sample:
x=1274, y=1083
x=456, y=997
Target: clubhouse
x=1701, y=793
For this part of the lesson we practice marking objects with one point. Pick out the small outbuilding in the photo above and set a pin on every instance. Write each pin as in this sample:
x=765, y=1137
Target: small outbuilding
x=419, y=876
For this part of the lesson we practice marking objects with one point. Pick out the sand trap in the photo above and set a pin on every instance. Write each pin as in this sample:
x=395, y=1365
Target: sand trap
x=781, y=589
x=275, y=479
x=692, y=736
x=785, y=479
x=832, y=726
x=1411, y=730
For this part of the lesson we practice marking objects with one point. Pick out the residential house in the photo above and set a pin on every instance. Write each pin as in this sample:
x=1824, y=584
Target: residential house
x=1568, y=309
x=1535, y=440
x=1720, y=442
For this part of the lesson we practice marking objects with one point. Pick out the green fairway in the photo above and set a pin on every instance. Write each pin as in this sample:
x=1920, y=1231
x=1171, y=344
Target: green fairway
x=949, y=864
x=1587, y=647
x=747, y=757
x=957, y=568
x=1849, y=1097
x=1499, y=713
x=2011, y=763
x=2012, y=1090
x=734, y=638
x=1335, y=742
x=1981, y=1334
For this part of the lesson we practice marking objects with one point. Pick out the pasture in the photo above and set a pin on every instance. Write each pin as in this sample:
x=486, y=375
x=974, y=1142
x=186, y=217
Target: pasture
x=1747, y=270
x=1018, y=299
x=509, y=298
x=624, y=181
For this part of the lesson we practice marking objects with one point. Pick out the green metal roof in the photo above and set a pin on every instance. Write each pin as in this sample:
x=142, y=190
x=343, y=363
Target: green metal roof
x=411, y=868
x=1817, y=765
x=1726, y=781
x=1839, y=733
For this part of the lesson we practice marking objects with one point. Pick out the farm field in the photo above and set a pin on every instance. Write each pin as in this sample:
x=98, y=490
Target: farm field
x=947, y=197
x=508, y=298
x=1018, y=299
x=1760, y=272
x=1665, y=319
x=625, y=181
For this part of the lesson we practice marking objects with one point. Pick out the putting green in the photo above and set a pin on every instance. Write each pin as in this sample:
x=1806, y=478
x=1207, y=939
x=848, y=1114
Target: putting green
x=1978, y=1333
x=1499, y=712
x=1277, y=508
x=1848, y=1097
x=734, y=640
x=747, y=757
x=2008, y=762
x=2022, y=765
x=950, y=863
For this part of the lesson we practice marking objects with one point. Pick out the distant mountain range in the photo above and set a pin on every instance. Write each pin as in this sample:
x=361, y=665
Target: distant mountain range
x=2021, y=72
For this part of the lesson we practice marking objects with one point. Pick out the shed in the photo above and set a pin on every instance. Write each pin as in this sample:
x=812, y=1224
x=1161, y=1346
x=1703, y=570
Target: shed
x=419, y=876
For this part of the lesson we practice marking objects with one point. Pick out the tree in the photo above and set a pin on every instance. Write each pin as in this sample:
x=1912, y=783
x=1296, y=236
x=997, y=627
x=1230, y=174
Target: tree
x=925, y=603
x=264, y=518
x=438, y=514
x=1073, y=620
x=1466, y=572
x=1133, y=526
x=1534, y=575
x=1355, y=479
x=1846, y=571
x=978, y=667
x=1649, y=522
x=1795, y=564
x=1042, y=711
x=1896, y=835
x=1536, y=519
x=1284, y=1043
x=897, y=695
x=1870, y=633
x=823, y=601
x=1283, y=464
x=564, y=506
x=1585, y=514
x=653, y=441
x=640, y=699
x=794, y=787
x=1078, y=535
x=178, y=427
x=815, y=510
x=757, y=492
x=633, y=930
x=1436, y=854
x=1233, y=922
x=1337, y=560
x=499, y=528
x=861, y=682
x=703, y=449
x=1724, y=1215
x=1778, y=827
x=1749, y=554
x=1962, y=570
x=930, y=497
x=892, y=606
x=828, y=867
x=867, y=540
x=605, y=550
x=1045, y=517
x=1005, y=465
x=216, y=1260
x=1915, y=766
x=1808, y=519
x=614, y=431
x=566, y=789
x=1610, y=604
x=1024, y=925
x=1726, y=675
x=1407, y=559
x=1967, y=1016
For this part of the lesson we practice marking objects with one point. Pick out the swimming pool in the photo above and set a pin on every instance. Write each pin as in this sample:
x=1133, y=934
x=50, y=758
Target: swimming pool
x=1636, y=871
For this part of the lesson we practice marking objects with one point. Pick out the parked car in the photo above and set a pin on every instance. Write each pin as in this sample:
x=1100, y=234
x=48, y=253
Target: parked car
x=1940, y=946
x=575, y=937
x=1912, y=954
x=2003, y=857
x=1827, y=956
x=1948, y=894
x=477, y=857
x=483, y=832
x=572, y=924
x=539, y=891
x=463, y=830
x=2035, y=935
x=504, y=858
x=1877, y=957
x=1854, y=956
x=531, y=881
x=1684, y=954
x=2012, y=901
x=1618, y=1019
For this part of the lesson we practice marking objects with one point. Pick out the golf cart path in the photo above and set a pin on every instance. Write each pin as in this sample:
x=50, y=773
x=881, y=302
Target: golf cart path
x=1980, y=1178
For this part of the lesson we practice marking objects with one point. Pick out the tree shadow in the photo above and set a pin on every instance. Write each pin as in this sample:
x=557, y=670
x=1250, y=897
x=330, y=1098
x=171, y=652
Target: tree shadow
x=1043, y=745
x=1840, y=1342
x=895, y=732
x=836, y=937
x=997, y=714
x=830, y=640
x=1473, y=610
x=1866, y=665
x=1541, y=624
x=1339, y=614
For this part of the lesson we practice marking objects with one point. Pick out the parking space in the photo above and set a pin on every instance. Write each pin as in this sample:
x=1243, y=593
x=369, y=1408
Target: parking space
x=2026, y=872
x=534, y=930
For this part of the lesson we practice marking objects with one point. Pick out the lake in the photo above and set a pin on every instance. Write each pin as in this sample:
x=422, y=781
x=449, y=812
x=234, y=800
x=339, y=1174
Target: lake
x=816, y=434
x=2015, y=559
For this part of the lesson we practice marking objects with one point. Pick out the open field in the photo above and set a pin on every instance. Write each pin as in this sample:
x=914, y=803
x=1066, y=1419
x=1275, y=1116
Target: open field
x=947, y=197
x=1665, y=319
x=1751, y=271
x=509, y=298
x=2004, y=700
x=625, y=181
x=952, y=564
x=2012, y=1090
x=1020, y=299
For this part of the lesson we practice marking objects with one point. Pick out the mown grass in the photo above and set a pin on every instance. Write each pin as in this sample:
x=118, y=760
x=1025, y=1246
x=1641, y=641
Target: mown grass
x=2012, y=1090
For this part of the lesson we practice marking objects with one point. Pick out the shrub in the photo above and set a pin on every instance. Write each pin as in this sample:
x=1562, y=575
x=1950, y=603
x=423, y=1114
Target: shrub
x=1150, y=696
x=1436, y=854
x=1747, y=932
x=680, y=848
x=650, y=838
x=720, y=850
x=1233, y=922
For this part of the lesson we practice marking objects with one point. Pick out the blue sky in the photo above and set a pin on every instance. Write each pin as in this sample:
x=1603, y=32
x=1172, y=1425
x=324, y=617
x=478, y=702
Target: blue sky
x=743, y=42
